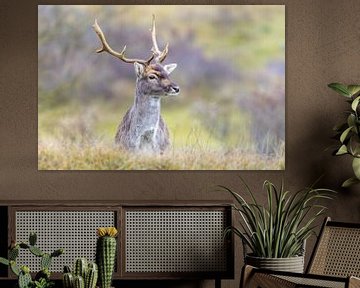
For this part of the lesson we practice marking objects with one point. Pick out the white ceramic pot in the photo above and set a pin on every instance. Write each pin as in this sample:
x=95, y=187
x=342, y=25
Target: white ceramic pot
x=291, y=264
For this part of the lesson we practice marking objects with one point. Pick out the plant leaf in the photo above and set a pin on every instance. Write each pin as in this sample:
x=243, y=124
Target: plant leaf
x=340, y=88
x=349, y=182
x=356, y=167
x=351, y=120
x=4, y=261
x=345, y=134
x=355, y=103
x=342, y=150
x=353, y=89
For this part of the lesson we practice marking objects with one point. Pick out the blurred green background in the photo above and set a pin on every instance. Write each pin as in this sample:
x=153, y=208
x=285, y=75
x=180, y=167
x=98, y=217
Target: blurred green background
x=231, y=72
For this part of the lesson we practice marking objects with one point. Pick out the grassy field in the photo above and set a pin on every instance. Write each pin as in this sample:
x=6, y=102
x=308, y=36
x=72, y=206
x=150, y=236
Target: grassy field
x=112, y=158
x=81, y=138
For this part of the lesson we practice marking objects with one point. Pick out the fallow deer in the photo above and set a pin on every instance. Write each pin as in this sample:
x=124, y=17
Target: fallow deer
x=143, y=129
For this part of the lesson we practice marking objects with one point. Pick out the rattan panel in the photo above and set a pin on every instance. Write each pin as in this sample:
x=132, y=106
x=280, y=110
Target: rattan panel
x=175, y=241
x=75, y=231
x=338, y=253
x=312, y=282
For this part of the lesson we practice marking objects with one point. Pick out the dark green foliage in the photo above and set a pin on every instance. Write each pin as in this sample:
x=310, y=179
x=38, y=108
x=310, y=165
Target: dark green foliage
x=105, y=259
x=348, y=133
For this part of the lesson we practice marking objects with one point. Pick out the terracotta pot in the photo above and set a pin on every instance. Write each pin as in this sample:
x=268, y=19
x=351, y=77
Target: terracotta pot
x=291, y=264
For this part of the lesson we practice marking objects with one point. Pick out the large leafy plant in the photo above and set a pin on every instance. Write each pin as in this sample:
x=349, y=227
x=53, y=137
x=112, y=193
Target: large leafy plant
x=279, y=229
x=348, y=132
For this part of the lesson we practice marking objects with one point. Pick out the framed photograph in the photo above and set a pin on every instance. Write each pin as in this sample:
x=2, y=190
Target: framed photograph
x=167, y=87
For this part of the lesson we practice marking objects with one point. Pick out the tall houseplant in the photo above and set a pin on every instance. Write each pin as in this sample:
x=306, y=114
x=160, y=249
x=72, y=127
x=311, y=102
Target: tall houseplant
x=275, y=233
x=348, y=132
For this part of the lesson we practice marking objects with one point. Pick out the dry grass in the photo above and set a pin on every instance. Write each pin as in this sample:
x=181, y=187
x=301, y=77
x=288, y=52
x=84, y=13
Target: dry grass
x=102, y=157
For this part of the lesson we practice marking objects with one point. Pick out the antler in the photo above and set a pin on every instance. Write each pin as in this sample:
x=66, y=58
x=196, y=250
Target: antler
x=106, y=47
x=159, y=55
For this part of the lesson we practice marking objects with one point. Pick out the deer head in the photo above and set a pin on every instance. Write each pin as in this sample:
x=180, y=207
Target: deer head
x=152, y=78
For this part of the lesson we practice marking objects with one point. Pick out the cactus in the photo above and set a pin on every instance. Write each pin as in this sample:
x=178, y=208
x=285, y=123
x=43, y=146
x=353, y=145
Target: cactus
x=13, y=253
x=42, y=278
x=68, y=280
x=105, y=254
x=36, y=251
x=57, y=253
x=45, y=261
x=67, y=269
x=24, y=245
x=79, y=282
x=32, y=238
x=91, y=276
x=24, y=277
x=89, y=272
x=14, y=268
x=80, y=267
x=44, y=273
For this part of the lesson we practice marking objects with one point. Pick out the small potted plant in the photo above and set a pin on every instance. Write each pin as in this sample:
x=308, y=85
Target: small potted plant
x=106, y=254
x=348, y=132
x=42, y=278
x=84, y=274
x=275, y=233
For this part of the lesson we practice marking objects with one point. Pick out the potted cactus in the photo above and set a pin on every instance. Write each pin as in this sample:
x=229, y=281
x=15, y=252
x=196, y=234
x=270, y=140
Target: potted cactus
x=42, y=278
x=84, y=275
x=106, y=254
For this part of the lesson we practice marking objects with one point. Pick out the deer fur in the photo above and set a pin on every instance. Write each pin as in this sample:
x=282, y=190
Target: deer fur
x=142, y=128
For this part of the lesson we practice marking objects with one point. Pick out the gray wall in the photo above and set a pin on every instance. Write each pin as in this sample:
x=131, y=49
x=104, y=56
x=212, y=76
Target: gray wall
x=322, y=46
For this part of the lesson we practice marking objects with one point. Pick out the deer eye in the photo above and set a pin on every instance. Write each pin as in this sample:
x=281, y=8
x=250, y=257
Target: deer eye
x=152, y=77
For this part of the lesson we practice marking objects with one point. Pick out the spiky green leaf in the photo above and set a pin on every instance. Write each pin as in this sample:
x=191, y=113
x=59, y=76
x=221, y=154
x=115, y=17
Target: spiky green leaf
x=340, y=88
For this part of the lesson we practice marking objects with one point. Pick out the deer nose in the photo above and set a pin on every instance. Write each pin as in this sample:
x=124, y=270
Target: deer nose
x=176, y=89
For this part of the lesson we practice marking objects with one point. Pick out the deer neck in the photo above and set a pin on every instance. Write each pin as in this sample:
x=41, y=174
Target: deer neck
x=147, y=110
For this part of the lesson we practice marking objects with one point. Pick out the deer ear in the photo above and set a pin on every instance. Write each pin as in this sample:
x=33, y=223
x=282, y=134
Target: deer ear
x=139, y=69
x=170, y=68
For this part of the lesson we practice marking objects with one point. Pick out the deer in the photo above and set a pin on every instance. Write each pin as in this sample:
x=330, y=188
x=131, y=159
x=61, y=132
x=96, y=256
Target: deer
x=142, y=129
